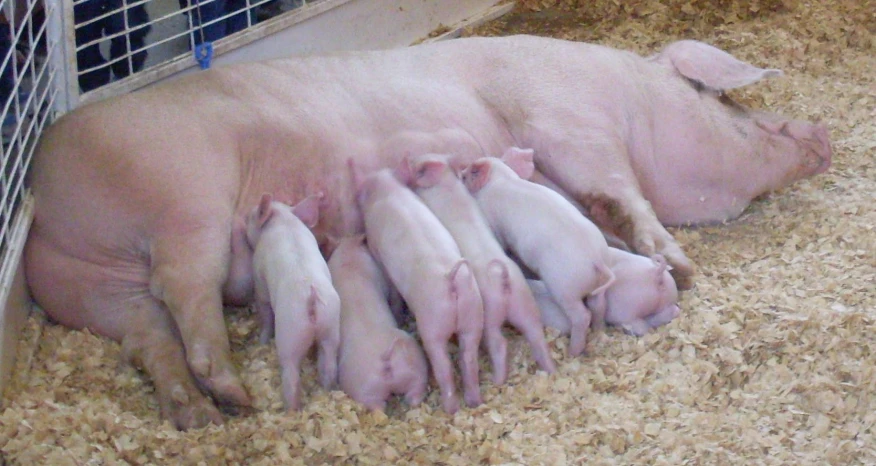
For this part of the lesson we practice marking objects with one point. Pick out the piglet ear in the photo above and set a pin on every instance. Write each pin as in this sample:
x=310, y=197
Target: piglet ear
x=308, y=210
x=427, y=171
x=710, y=66
x=520, y=160
x=265, y=210
x=404, y=171
x=476, y=175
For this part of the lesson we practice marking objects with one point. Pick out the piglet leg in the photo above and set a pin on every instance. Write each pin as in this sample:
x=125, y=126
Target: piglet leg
x=293, y=343
x=497, y=345
x=523, y=314
x=266, y=320
x=442, y=368
x=327, y=357
x=470, y=328
x=496, y=296
x=579, y=317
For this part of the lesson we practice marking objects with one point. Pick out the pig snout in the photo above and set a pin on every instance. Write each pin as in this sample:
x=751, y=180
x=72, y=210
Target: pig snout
x=823, y=150
x=663, y=316
x=813, y=141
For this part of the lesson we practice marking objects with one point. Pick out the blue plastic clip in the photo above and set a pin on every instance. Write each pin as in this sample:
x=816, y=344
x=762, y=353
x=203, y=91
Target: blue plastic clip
x=204, y=54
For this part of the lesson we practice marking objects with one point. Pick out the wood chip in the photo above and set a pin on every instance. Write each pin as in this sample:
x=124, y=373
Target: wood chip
x=773, y=360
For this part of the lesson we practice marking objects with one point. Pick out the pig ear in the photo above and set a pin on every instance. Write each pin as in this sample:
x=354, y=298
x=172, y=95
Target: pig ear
x=308, y=210
x=404, y=171
x=428, y=171
x=265, y=210
x=520, y=160
x=476, y=175
x=710, y=66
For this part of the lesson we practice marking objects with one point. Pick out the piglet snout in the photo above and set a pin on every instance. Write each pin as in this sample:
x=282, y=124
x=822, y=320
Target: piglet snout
x=822, y=149
x=664, y=316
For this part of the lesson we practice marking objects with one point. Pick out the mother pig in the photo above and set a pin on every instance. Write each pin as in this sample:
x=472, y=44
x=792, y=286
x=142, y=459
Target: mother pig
x=133, y=221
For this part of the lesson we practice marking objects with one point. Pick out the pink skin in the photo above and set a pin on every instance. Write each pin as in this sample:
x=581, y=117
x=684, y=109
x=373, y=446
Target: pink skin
x=133, y=223
x=238, y=289
x=425, y=265
x=500, y=281
x=293, y=287
x=547, y=234
x=642, y=297
x=377, y=359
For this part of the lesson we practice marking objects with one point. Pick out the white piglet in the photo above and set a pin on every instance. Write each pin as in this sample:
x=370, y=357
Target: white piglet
x=425, y=265
x=547, y=233
x=500, y=281
x=377, y=359
x=294, y=292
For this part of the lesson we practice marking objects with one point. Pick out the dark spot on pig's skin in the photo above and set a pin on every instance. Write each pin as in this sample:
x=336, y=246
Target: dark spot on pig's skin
x=608, y=215
x=739, y=129
x=697, y=85
x=735, y=108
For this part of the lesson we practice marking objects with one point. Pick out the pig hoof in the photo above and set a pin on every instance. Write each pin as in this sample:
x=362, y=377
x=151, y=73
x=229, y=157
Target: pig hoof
x=451, y=404
x=415, y=399
x=683, y=279
x=227, y=389
x=473, y=399
x=682, y=268
x=189, y=410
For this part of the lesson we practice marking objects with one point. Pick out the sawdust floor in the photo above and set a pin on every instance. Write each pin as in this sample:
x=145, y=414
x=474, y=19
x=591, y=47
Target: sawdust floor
x=771, y=362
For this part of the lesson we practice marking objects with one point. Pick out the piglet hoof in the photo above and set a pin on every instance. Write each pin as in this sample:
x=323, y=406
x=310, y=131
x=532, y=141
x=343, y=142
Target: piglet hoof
x=577, y=343
x=473, y=399
x=450, y=403
x=414, y=398
x=189, y=409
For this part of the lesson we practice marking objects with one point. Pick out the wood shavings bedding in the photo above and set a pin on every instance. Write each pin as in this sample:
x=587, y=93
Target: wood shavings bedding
x=771, y=362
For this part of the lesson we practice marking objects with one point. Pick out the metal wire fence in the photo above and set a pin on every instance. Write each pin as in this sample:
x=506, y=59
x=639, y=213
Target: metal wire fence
x=55, y=54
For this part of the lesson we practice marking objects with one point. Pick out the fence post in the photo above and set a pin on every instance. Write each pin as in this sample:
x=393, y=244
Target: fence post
x=61, y=35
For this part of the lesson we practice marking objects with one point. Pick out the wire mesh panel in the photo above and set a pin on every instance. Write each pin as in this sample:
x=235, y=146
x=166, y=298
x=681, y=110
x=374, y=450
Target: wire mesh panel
x=115, y=39
x=27, y=94
x=52, y=52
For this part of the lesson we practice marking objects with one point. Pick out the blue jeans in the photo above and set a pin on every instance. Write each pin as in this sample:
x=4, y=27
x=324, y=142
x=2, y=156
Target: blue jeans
x=90, y=56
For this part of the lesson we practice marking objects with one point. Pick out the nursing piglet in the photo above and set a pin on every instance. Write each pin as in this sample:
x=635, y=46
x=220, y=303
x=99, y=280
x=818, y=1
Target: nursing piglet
x=643, y=296
x=425, y=265
x=377, y=359
x=500, y=281
x=294, y=292
x=547, y=233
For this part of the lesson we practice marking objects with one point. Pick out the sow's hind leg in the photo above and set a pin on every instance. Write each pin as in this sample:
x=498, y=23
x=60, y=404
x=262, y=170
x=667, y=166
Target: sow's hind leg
x=188, y=271
x=596, y=172
x=152, y=344
x=81, y=294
